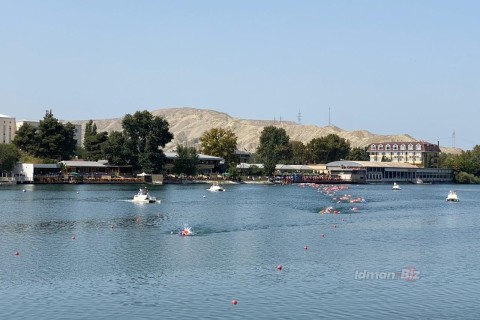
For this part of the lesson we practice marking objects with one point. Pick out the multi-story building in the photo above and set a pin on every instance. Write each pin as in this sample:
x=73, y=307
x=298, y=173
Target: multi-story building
x=421, y=154
x=7, y=129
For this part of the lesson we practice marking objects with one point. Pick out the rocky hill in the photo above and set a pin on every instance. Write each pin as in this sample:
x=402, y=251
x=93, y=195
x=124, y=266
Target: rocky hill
x=188, y=124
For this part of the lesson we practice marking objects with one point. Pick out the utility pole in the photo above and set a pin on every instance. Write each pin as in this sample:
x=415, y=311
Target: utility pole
x=329, y=117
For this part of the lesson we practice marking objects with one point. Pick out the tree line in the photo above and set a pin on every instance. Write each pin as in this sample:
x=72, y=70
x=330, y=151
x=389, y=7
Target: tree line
x=142, y=139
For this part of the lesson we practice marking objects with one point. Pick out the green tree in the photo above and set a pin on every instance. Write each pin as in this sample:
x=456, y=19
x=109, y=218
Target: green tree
x=298, y=152
x=94, y=142
x=221, y=143
x=327, y=149
x=146, y=135
x=273, y=147
x=26, y=138
x=358, y=154
x=51, y=140
x=9, y=155
x=117, y=150
x=186, y=160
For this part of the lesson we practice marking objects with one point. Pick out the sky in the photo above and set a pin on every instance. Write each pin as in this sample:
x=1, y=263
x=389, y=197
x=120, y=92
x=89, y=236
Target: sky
x=389, y=67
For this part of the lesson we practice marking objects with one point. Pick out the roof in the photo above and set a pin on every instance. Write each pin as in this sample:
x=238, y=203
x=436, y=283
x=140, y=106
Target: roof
x=4, y=116
x=173, y=155
x=370, y=164
x=45, y=166
x=81, y=163
x=424, y=146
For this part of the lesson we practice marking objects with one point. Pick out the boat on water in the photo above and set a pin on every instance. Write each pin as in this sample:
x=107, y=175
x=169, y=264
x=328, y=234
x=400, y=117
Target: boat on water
x=143, y=196
x=216, y=187
x=452, y=196
x=396, y=186
x=419, y=181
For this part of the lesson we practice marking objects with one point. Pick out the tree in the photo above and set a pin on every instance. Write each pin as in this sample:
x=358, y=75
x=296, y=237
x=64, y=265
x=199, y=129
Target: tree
x=117, y=150
x=146, y=135
x=298, y=152
x=186, y=160
x=51, y=140
x=327, y=149
x=94, y=142
x=220, y=142
x=273, y=147
x=358, y=154
x=9, y=155
x=26, y=138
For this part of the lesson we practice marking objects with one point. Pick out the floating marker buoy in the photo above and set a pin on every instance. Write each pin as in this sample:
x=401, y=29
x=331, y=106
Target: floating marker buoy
x=24, y=190
x=305, y=247
x=73, y=238
x=279, y=267
x=323, y=235
x=234, y=301
x=17, y=253
x=204, y=196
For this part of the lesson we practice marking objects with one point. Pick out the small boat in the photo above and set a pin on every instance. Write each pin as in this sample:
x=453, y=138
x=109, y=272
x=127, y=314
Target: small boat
x=216, y=187
x=144, y=196
x=452, y=196
x=396, y=186
x=419, y=181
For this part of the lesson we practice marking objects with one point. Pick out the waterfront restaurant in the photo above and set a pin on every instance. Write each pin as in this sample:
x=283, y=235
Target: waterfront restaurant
x=387, y=172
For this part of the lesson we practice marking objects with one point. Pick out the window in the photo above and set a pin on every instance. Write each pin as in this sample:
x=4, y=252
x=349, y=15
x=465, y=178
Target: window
x=387, y=147
x=418, y=146
x=374, y=147
x=410, y=146
x=380, y=147
x=402, y=147
x=395, y=147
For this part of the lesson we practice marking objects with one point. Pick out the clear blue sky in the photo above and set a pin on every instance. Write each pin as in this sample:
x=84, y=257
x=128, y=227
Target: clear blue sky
x=389, y=67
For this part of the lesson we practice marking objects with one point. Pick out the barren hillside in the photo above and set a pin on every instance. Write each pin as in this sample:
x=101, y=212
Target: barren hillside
x=188, y=124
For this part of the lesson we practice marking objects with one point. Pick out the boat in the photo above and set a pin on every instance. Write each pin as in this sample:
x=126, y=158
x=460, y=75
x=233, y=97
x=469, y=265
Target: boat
x=144, y=196
x=216, y=187
x=452, y=196
x=419, y=181
x=396, y=186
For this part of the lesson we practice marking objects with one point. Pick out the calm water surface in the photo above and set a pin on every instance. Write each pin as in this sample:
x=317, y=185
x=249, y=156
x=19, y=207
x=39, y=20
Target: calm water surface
x=86, y=252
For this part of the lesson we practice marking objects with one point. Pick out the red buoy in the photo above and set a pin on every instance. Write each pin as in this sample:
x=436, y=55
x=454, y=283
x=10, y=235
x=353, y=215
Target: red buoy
x=279, y=267
x=305, y=247
x=73, y=237
x=234, y=301
x=17, y=253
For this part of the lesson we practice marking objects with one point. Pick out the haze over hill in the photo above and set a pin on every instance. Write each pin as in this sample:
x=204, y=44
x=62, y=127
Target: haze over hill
x=188, y=124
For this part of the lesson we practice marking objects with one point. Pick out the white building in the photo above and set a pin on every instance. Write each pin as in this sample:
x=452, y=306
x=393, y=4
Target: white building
x=7, y=129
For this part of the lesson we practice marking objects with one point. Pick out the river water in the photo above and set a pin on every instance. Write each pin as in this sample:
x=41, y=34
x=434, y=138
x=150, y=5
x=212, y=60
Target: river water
x=87, y=252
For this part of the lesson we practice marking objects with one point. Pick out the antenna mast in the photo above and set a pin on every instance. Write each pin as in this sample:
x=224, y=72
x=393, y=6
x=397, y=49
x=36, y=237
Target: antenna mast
x=453, y=139
x=299, y=117
x=329, y=116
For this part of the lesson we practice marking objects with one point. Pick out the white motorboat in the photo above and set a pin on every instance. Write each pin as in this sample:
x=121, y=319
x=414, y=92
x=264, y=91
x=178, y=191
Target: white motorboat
x=452, y=196
x=396, y=186
x=216, y=187
x=144, y=196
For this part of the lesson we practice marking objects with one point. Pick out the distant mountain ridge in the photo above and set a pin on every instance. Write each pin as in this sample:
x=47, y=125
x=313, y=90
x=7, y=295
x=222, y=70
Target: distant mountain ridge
x=188, y=124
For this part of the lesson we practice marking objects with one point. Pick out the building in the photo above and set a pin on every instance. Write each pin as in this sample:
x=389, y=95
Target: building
x=384, y=172
x=7, y=129
x=206, y=164
x=77, y=132
x=420, y=154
